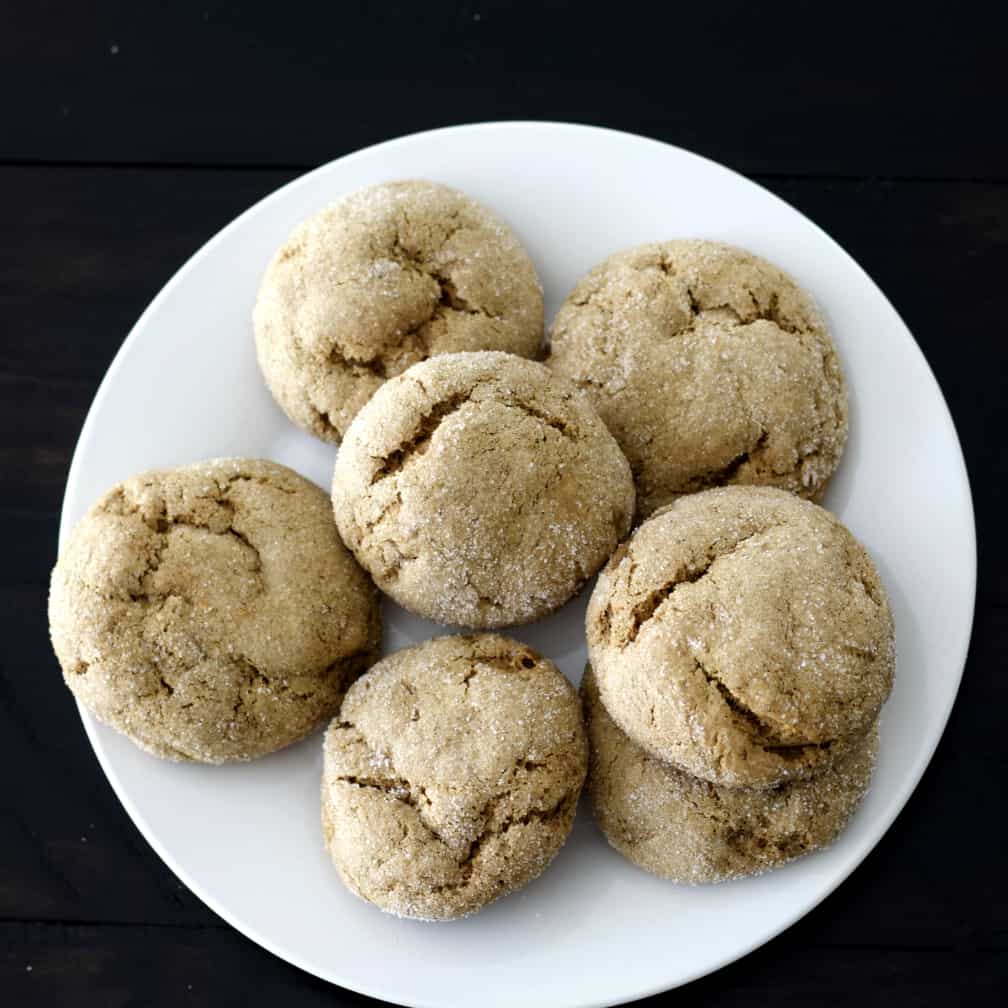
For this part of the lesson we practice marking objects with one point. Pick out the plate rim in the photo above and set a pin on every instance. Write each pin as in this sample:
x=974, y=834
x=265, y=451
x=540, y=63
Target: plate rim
x=908, y=785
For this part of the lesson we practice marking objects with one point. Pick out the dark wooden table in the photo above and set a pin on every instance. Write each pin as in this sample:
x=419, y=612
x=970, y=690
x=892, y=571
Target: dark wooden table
x=131, y=132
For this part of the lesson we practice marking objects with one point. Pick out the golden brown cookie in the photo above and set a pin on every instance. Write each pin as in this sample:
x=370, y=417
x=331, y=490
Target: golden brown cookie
x=689, y=830
x=211, y=612
x=385, y=277
x=709, y=365
x=480, y=490
x=451, y=775
x=743, y=635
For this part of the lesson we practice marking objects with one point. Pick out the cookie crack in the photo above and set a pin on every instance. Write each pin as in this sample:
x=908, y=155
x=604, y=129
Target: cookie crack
x=161, y=525
x=230, y=532
x=261, y=480
x=741, y=710
x=449, y=299
x=728, y=472
x=542, y=416
x=467, y=864
x=762, y=731
x=417, y=332
x=393, y=567
x=414, y=796
x=771, y=313
x=251, y=674
x=589, y=298
x=358, y=365
x=398, y=789
x=414, y=259
x=644, y=610
x=870, y=590
x=419, y=440
x=346, y=666
x=322, y=417
x=795, y=750
x=517, y=663
x=715, y=814
x=372, y=523
x=245, y=541
x=154, y=560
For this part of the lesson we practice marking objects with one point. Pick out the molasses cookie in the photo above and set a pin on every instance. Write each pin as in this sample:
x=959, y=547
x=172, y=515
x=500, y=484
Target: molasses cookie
x=386, y=277
x=709, y=365
x=743, y=635
x=480, y=490
x=689, y=830
x=211, y=612
x=451, y=775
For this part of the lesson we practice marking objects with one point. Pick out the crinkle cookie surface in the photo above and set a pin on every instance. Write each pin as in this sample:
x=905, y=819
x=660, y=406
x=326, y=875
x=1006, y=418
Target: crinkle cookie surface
x=480, y=490
x=211, y=612
x=709, y=365
x=743, y=635
x=383, y=278
x=686, y=829
x=451, y=775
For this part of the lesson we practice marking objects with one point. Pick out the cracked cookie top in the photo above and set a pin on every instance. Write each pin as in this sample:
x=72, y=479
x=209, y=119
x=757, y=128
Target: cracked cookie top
x=480, y=490
x=386, y=277
x=689, y=830
x=211, y=612
x=742, y=634
x=452, y=774
x=709, y=365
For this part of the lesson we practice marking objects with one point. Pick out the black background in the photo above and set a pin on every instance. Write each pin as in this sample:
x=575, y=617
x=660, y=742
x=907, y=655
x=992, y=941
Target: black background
x=131, y=132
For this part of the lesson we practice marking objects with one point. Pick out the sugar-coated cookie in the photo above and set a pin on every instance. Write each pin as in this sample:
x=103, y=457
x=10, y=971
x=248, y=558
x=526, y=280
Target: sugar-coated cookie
x=481, y=490
x=709, y=365
x=383, y=278
x=689, y=830
x=743, y=635
x=451, y=775
x=211, y=612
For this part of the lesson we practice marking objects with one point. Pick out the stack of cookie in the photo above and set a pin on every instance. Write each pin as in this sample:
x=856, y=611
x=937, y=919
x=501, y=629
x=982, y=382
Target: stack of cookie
x=740, y=641
x=741, y=647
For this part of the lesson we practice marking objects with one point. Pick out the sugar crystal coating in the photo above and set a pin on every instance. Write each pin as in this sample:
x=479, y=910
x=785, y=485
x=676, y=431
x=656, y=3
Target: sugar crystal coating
x=742, y=634
x=385, y=277
x=689, y=830
x=451, y=775
x=709, y=365
x=211, y=612
x=480, y=490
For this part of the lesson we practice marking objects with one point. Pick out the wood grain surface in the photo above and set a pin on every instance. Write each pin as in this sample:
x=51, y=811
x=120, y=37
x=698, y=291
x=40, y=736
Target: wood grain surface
x=132, y=132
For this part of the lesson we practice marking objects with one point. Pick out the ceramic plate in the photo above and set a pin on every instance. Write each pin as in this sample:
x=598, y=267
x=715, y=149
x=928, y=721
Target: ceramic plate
x=593, y=929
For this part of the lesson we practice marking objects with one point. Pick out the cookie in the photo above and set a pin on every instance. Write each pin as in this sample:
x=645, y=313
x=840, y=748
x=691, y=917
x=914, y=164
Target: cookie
x=388, y=276
x=452, y=775
x=479, y=490
x=709, y=365
x=689, y=830
x=211, y=612
x=743, y=635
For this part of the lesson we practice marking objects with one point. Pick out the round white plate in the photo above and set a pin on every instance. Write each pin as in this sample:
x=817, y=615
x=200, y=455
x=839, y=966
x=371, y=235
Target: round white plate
x=593, y=930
